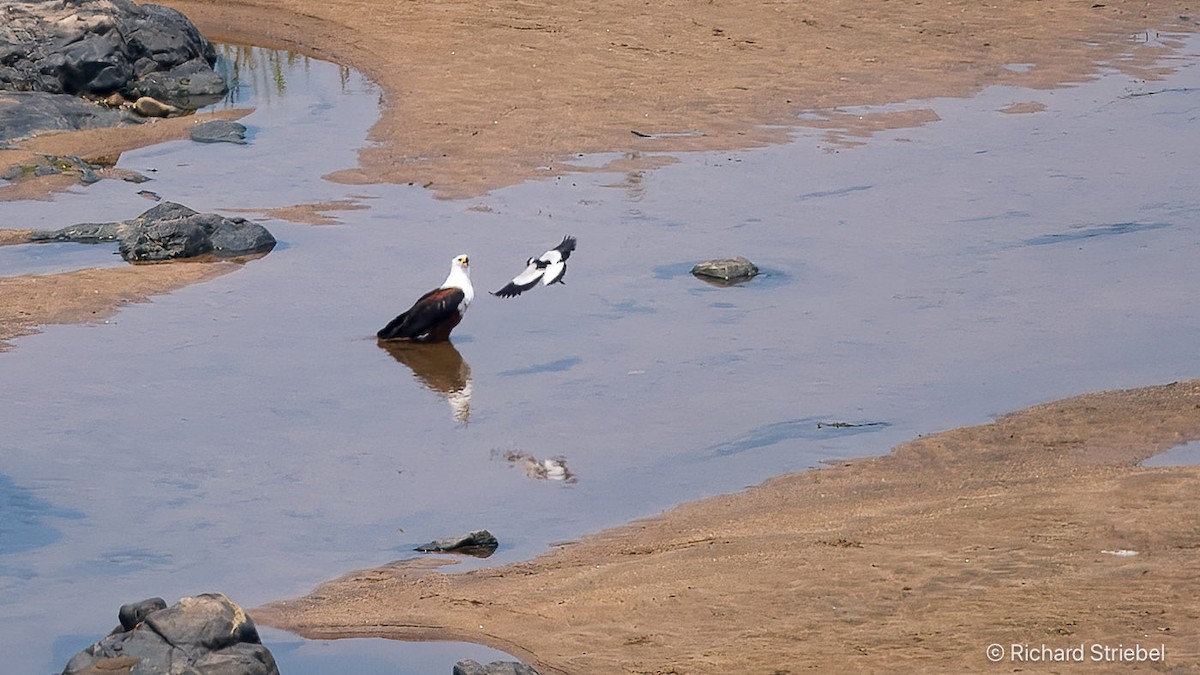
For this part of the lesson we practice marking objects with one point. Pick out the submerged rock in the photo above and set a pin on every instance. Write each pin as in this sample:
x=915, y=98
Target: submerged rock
x=729, y=270
x=219, y=131
x=479, y=543
x=169, y=231
x=200, y=635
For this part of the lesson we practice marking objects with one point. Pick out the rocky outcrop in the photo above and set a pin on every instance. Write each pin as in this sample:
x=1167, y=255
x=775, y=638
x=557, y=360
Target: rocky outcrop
x=479, y=543
x=169, y=231
x=469, y=667
x=23, y=113
x=200, y=635
x=101, y=47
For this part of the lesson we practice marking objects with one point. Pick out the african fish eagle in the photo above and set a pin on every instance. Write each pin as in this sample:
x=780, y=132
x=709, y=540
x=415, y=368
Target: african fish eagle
x=550, y=267
x=435, y=314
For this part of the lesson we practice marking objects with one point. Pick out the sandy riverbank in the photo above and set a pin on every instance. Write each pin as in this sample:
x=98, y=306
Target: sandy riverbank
x=486, y=94
x=483, y=95
x=1010, y=532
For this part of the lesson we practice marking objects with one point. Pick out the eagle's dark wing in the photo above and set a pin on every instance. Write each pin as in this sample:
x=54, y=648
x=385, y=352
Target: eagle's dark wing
x=432, y=314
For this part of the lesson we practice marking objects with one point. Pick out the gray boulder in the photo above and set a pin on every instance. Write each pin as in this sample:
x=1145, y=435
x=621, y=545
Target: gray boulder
x=219, y=131
x=726, y=270
x=470, y=667
x=169, y=230
x=22, y=113
x=479, y=543
x=101, y=47
x=200, y=635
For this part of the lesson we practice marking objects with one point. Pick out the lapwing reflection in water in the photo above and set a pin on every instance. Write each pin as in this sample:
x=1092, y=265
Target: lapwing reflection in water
x=440, y=368
x=554, y=468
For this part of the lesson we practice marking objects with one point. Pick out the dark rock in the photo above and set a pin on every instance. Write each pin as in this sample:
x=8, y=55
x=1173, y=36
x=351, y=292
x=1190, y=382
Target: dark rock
x=84, y=233
x=23, y=114
x=134, y=613
x=201, y=635
x=191, y=85
x=171, y=230
x=480, y=543
x=168, y=231
x=470, y=667
x=133, y=177
x=219, y=131
x=97, y=48
x=729, y=270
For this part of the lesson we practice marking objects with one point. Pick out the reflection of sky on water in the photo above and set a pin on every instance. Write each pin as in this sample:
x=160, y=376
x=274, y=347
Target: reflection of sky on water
x=1180, y=455
x=259, y=77
x=810, y=428
x=26, y=521
x=57, y=257
x=247, y=435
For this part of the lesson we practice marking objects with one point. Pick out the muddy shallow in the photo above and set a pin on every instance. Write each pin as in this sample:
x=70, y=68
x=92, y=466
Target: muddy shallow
x=248, y=435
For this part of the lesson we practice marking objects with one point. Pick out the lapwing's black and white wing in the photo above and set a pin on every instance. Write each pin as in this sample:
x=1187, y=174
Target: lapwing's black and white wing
x=550, y=267
x=556, y=261
x=524, y=281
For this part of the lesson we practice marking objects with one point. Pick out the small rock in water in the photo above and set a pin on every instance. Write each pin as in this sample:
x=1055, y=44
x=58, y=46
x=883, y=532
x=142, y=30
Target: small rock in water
x=132, y=176
x=728, y=270
x=479, y=543
x=219, y=131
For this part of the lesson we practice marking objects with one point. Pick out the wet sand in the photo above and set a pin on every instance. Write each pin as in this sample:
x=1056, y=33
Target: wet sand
x=486, y=94
x=30, y=301
x=992, y=534
x=1010, y=532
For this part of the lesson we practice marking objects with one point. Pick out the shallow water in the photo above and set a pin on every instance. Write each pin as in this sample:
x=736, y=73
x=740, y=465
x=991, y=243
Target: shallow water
x=1181, y=455
x=248, y=435
x=55, y=258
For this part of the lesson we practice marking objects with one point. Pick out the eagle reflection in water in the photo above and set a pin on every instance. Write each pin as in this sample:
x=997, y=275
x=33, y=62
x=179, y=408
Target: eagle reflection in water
x=440, y=368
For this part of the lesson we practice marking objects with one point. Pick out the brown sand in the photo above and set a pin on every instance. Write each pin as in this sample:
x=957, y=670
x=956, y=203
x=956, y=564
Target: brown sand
x=914, y=561
x=482, y=94
x=1001, y=533
x=30, y=301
